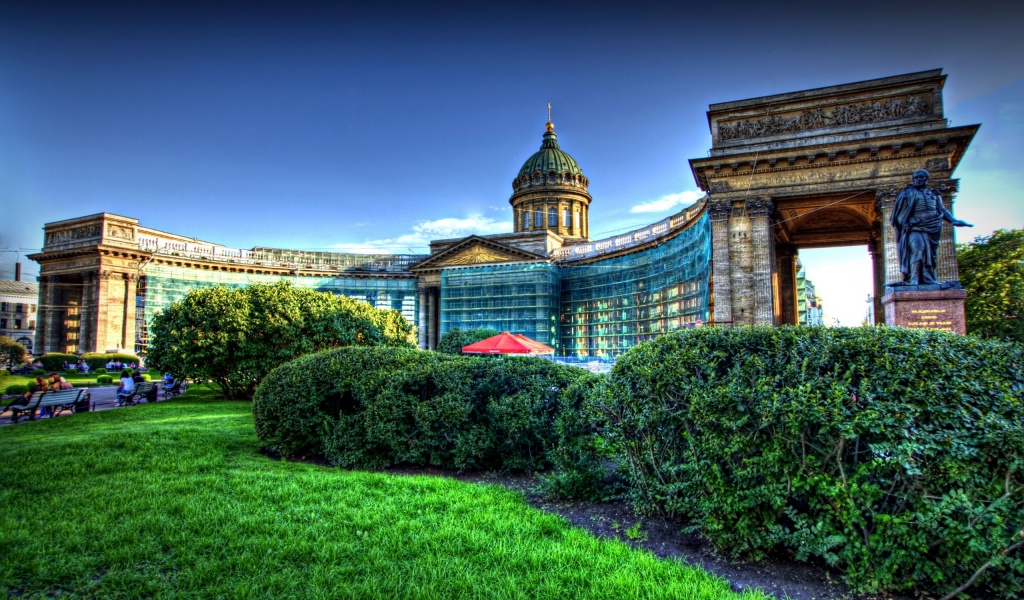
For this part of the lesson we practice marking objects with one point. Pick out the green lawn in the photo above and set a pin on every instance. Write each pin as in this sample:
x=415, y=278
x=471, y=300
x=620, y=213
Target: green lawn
x=174, y=500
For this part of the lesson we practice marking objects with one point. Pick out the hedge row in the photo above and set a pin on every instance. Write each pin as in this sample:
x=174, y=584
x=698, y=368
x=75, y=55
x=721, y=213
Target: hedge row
x=893, y=454
x=54, y=361
x=378, y=407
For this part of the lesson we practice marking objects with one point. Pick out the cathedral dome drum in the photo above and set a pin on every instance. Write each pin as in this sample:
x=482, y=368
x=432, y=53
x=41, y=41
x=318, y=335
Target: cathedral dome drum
x=550, y=192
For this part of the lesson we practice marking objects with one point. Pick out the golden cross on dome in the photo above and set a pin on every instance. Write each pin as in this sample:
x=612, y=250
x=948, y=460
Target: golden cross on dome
x=549, y=112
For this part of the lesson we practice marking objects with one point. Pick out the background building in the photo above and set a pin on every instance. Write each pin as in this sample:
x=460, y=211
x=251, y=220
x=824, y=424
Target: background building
x=18, y=305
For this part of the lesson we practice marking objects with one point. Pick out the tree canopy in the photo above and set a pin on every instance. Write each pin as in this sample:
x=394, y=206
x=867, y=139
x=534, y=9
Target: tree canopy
x=992, y=272
x=12, y=353
x=234, y=337
x=455, y=340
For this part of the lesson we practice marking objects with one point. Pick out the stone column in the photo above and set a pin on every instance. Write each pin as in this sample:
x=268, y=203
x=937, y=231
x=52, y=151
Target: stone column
x=885, y=199
x=421, y=318
x=947, y=269
x=433, y=322
x=87, y=328
x=43, y=309
x=718, y=212
x=128, y=320
x=878, y=278
x=761, y=237
x=55, y=332
x=785, y=257
x=109, y=306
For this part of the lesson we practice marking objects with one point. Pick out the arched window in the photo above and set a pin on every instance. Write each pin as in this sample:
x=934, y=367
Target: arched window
x=538, y=218
x=577, y=221
x=566, y=218
x=526, y=219
x=552, y=217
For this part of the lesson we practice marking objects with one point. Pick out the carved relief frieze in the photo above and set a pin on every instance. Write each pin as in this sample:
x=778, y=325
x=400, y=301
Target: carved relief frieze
x=120, y=232
x=476, y=255
x=58, y=238
x=718, y=187
x=889, y=109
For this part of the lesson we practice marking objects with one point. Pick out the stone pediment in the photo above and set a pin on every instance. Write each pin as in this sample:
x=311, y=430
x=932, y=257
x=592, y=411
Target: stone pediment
x=475, y=250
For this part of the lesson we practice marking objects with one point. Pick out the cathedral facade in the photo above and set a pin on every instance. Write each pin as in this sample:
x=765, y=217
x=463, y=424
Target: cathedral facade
x=103, y=278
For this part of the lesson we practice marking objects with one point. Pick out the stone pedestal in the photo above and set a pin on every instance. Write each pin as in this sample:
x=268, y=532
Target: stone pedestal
x=918, y=308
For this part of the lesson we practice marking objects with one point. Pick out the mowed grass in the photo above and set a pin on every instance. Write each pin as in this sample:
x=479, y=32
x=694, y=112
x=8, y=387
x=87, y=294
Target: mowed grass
x=174, y=500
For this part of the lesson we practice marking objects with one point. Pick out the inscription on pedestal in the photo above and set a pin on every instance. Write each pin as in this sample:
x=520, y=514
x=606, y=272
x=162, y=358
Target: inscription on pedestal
x=942, y=310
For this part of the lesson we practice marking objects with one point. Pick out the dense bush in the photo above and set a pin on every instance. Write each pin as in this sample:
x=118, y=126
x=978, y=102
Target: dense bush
x=4, y=373
x=99, y=360
x=16, y=390
x=377, y=407
x=98, y=370
x=234, y=337
x=12, y=353
x=455, y=340
x=38, y=372
x=104, y=379
x=54, y=361
x=71, y=372
x=893, y=454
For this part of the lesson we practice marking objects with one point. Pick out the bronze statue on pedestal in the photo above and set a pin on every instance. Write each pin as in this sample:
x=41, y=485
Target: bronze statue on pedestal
x=917, y=218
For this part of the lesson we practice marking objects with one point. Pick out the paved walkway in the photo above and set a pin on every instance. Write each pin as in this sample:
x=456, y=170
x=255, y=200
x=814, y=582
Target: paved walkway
x=101, y=398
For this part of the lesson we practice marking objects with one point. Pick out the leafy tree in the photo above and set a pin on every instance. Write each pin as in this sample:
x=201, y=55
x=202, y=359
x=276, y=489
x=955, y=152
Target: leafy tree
x=234, y=337
x=455, y=340
x=12, y=353
x=992, y=272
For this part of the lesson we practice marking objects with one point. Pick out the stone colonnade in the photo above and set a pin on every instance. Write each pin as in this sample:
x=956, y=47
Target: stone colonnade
x=754, y=274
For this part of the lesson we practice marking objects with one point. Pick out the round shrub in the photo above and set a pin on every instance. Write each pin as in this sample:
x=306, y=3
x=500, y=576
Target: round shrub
x=16, y=389
x=376, y=407
x=71, y=372
x=893, y=454
x=104, y=379
x=39, y=372
x=99, y=370
x=4, y=373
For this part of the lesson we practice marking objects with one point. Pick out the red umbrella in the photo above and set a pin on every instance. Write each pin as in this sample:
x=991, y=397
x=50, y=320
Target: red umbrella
x=507, y=343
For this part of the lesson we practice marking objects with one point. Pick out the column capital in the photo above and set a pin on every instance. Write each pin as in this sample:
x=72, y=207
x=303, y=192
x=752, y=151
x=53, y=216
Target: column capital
x=719, y=211
x=108, y=275
x=761, y=207
x=885, y=197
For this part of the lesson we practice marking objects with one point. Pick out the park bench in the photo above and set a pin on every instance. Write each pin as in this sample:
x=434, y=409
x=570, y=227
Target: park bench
x=57, y=402
x=176, y=388
x=141, y=391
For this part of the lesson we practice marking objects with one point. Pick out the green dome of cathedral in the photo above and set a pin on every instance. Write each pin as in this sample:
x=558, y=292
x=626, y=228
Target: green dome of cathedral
x=550, y=158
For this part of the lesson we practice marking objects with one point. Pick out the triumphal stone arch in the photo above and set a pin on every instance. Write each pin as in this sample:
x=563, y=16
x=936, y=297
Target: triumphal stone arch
x=816, y=169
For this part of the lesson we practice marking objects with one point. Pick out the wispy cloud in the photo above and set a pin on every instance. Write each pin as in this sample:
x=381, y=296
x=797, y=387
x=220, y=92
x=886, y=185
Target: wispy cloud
x=668, y=202
x=418, y=240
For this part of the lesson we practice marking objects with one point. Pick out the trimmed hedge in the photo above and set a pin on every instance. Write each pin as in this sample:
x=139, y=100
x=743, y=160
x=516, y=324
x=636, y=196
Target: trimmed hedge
x=54, y=361
x=893, y=454
x=99, y=360
x=98, y=370
x=104, y=379
x=4, y=373
x=372, y=408
x=39, y=372
x=16, y=389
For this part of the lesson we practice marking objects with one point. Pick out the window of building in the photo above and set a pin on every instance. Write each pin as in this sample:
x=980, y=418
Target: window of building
x=538, y=218
x=31, y=324
x=552, y=217
x=567, y=218
x=4, y=306
x=32, y=308
x=577, y=220
x=526, y=220
x=3, y=323
x=20, y=308
x=17, y=323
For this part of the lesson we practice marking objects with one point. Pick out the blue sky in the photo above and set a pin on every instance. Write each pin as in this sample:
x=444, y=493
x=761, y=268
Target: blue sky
x=319, y=128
